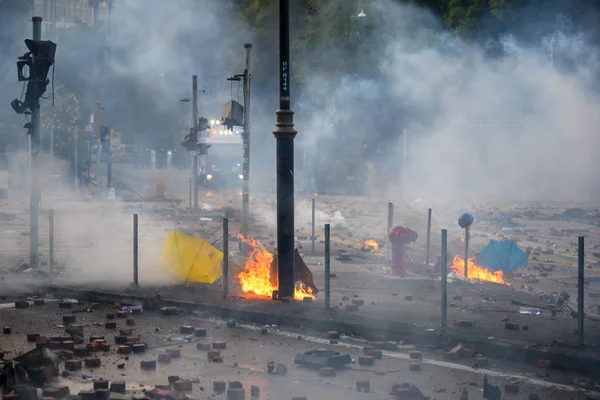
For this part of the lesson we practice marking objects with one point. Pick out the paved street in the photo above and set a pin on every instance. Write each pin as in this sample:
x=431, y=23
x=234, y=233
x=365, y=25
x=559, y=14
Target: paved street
x=248, y=352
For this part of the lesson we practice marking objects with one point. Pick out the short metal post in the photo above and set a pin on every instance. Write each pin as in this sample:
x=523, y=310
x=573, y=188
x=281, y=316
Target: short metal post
x=428, y=238
x=312, y=236
x=51, y=241
x=225, y=258
x=135, y=250
x=444, y=270
x=190, y=190
x=390, y=225
x=580, y=291
x=327, y=267
x=467, y=253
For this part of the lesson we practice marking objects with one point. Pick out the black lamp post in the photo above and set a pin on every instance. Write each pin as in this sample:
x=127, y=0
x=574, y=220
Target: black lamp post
x=285, y=134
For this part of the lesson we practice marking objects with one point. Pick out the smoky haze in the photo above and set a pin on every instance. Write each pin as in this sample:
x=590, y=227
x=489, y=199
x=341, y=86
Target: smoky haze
x=480, y=127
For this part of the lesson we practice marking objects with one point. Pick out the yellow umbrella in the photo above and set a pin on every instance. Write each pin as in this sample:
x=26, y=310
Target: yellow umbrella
x=191, y=259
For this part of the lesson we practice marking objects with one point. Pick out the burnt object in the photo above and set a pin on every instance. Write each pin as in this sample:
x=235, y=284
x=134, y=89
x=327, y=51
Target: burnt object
x=323, y=358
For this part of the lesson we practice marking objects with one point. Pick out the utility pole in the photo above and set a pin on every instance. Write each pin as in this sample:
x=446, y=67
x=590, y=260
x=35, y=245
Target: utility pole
x=98, y=127
x=35, y=192
x=285, y=134
x=246, y=138
x=195, y=128
x=76, y=157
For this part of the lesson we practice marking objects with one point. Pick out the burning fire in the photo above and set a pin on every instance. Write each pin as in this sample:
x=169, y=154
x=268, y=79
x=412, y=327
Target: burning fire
x=476, y=272
x=371, y=244
x=256, y=276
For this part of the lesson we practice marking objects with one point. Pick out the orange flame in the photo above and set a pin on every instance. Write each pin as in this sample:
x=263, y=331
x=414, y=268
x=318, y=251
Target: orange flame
x=371, y=244
x=256, y=276
x=476, y=272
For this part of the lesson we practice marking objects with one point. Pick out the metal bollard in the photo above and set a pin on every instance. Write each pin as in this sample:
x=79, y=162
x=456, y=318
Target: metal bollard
x=580, y=291
x=225, y=258
x=135, y=251
x=312, y=237
x=327, y=267
x=444, y=270
x=428, y=238
x=51, y=242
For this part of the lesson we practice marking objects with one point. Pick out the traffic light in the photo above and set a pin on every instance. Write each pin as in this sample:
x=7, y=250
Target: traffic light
x=191, y=142
x=38, y=61
x=233, y=114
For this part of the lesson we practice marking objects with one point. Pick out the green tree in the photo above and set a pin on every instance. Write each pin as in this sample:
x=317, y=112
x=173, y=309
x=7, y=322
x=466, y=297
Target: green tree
x=66, y=115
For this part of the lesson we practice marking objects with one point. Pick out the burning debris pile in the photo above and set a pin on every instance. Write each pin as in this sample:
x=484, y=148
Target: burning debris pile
x=476, y=272
x=370, y=245
x=259, y=275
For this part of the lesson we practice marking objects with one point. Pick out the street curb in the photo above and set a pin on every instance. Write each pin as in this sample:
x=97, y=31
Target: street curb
x=568, y=359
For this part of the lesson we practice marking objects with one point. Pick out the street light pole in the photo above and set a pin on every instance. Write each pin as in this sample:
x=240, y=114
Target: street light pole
x=195, y=128
x=246, y=138
x=285, y=134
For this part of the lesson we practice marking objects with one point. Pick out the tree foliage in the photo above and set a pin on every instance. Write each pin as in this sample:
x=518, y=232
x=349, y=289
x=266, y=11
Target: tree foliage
x=65, y=115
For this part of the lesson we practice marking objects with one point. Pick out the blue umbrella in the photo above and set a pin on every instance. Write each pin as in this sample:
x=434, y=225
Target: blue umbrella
x=502, y=256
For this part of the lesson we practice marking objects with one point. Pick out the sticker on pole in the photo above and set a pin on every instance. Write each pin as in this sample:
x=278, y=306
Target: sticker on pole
x=111, y=194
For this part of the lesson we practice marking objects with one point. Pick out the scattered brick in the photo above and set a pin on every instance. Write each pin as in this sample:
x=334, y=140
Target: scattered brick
x=358, y=302
x=123, y=349
x=280, y=369
x=94, y=338
x=199, y=332
x=235, y=385
x=468, y=353
x=164, y=358
x=120, y=339
x=378, y=354
x=20, y=304
x=512, y=326
x=39, y=302
x=53, y=344
x=68, y=345
x=511, y=388
x=73, y=365
x=110, y=325
x=333, y=334
x=133, y=339
x=136, y=311
x=174, y=353
x=186, y=329
x=80, y=351
x=65, y=304
x=126, y=332
x=32, y=337
x=264, y=330
x=92, y=362
x=104, y=347
x=219, y=386
x=326, y=371
x=139, y=348
x=480, y=362
x=6, y=330
x=454, y=353
x=203, y=346
x=255, y=390
x=463, y=324
x=363, y=385
x=77, y=339
x=196, y=322
x=93, y=347
x=130, y=321
x=236, y=394
x=87, y=395
x=415, y=366
x=415, y=355
x=102, y=394
x=163, y=387
x=56, y=392
x=543, y=363
x=212, y=354
x=219, y=345
x=121, y=314
x=173, y=378
x=408, y=297
x=351, y=307
x=42, y=341
x=183, y=385
x=117, y=386
x=148, y=365
x=65, y=354
x=270, y=367
x=69, y=319
x=217, y=359
x=100, y=384
x=366, y=360
x=110, y=315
